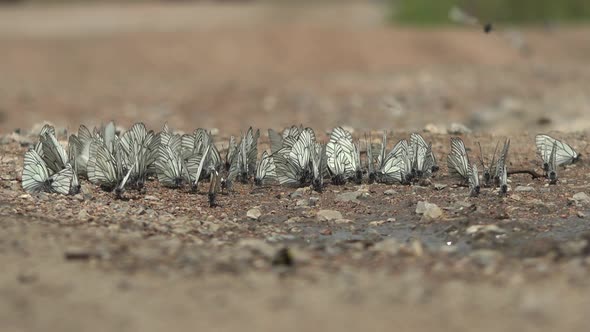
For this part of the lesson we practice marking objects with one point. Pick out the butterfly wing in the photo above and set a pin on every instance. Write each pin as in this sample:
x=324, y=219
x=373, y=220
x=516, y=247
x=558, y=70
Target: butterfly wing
x=35, y=173
x=54, y=154
x=102, y=168
x=61, y=182
x=457, y=160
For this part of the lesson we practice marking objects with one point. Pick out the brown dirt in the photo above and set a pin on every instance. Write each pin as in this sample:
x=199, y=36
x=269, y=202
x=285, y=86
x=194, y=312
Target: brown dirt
x=167, y=261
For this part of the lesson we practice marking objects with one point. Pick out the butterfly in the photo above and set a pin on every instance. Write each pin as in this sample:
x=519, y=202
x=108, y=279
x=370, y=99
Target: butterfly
x=564, y=153
x=47, y=128
x=319, y=169
x=349, y=151
x=375, y=163
x=36, y=176
x=195, y=144
x=503, y=180
x=489, y=168
x=140, y=148
x=107, y=134
x=340, y=164
x=247, y=154
x=232, y=149
x=422, y=158
x=474, y=187
x=552, y=165
x=458, y=161
x=293, y=163
x=57, y=159
x=121, y=186
x=265, y=170
x=502, y=161
x=105, y=168
x=214, y=186
x=194, y=166
x=397, y=165
x=169, y=167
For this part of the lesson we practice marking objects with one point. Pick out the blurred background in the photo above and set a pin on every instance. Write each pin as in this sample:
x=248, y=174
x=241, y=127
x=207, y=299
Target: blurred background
x=390, y=64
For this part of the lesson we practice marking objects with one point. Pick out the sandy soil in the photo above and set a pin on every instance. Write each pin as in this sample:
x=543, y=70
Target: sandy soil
x=165, y=260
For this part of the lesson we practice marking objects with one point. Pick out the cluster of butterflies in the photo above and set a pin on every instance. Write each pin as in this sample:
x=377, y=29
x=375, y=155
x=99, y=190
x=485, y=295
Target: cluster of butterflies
x=553, y=152
x=118, y=161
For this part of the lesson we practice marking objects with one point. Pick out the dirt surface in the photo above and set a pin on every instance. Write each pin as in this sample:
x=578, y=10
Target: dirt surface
x=165, y=260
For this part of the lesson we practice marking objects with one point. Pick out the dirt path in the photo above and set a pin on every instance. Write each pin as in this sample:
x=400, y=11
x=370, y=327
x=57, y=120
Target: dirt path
x=167, y=261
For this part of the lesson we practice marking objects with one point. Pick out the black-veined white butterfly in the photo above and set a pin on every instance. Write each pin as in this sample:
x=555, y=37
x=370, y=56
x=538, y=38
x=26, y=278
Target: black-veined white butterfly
x=422, y=158
x=214, y=186
x=458, y=161
x=474, y=187
x=293, y=163
x=552, y=165
x=488, y=170
x=36, y=177
x=319, y=169
x=349, y=152
x=195, y=166
x=396, y=166
x=230, y=153
x=501, y=165
x=564, y=153
x=503, y=180
x=47, y=128
x=169, y=166
x=265, y=170
x=104, y=168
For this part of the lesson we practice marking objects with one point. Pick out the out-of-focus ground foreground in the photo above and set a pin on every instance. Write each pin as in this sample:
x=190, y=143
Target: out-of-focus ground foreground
x=167, y=261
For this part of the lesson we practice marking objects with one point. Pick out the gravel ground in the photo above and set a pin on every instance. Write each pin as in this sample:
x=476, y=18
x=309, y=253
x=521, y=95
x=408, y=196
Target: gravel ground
x=353, y=257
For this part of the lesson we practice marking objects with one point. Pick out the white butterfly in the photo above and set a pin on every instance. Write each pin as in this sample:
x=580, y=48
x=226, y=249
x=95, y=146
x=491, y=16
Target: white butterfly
x=103, y=167
x=247, y=153
x=396, y=166
x=231, y=152
x=214, y=186
x=421, y=156
x=503, y=180
x=36, y=177
x=488, y=170
x=293, y=163
x=564, y=153
x=169, y=167
x=54, y=154
x=474, y=181
x=195, y=164
x=265, y=170
x=458, y=161
x=502, y=162
x=39, y=146
x=552, y=165
x=140, y=151
x=350, y=152
x=319, y=169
